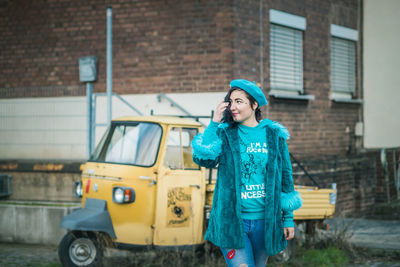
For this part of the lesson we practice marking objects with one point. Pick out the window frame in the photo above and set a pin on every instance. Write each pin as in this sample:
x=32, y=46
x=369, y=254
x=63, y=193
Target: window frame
x=181, y=148
x=292, y=22
x=108, y=135
x=338, y=34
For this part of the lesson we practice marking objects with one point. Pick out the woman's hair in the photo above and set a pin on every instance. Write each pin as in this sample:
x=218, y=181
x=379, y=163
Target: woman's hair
x=227, y=115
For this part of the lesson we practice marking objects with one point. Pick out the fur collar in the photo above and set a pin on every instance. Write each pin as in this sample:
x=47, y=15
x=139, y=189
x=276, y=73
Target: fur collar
x=265, y=123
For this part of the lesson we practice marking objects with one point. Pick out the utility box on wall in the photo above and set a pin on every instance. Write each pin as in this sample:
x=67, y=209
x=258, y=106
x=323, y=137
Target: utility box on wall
x=88, y=69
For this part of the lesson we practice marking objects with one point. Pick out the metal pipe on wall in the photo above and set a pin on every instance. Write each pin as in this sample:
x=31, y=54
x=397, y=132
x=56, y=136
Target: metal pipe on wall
x=395, y=176
x=109, y=64
x=89, y=92
x=359, y=65
x=385, y=167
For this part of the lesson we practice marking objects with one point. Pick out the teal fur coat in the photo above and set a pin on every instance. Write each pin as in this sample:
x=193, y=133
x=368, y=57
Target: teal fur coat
x=225, y=228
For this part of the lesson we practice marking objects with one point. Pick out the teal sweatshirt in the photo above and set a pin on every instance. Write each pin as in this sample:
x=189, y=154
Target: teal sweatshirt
x=254, y=157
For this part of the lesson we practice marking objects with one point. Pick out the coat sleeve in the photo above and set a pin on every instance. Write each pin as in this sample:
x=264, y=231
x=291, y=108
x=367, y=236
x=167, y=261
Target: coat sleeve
x=287, y=181
x=207, y=146
x=287, y=176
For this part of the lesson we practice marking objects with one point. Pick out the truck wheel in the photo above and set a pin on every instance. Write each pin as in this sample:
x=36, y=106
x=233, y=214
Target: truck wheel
x=80, y=249
x=285, y=254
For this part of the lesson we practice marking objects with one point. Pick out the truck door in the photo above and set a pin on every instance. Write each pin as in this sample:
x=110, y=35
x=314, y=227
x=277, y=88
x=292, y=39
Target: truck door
x=180, y=192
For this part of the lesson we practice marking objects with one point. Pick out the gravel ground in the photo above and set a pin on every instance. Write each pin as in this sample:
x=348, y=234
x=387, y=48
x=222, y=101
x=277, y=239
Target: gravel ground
x=13, y=255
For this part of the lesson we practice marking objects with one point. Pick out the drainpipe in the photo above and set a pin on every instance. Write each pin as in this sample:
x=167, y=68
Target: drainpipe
x=360, y=65
x=385, y=167
x=396, y=175
x=109, y=64
x=89, y=99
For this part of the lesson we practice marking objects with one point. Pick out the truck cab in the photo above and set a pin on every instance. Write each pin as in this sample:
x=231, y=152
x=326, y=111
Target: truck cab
x=139, y=188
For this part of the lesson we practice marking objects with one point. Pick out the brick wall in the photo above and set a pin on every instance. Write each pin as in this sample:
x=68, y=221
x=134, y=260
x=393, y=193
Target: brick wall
x=168, y=46
x=317, y=127
x=178, y=46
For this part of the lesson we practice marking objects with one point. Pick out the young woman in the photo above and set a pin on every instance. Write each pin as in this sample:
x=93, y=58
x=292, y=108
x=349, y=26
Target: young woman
x=254, y=197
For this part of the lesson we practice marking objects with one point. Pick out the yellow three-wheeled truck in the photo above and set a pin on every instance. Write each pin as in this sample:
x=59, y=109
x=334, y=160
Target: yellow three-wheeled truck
x=141, y=188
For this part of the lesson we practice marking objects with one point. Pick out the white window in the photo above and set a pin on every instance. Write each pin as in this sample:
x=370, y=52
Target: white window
x=286, y=53
x=343, y=62
x=135, y=143
x=179, y=149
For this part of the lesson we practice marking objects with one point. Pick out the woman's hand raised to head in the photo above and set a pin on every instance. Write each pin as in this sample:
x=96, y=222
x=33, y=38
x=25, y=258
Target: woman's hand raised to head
x=219, y=111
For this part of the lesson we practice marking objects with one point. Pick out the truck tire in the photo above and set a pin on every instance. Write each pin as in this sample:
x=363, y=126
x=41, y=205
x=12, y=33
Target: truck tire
x=80, y=249
x=285, y=254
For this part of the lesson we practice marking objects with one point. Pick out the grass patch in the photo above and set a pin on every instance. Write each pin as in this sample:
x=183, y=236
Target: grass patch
x=327, y=257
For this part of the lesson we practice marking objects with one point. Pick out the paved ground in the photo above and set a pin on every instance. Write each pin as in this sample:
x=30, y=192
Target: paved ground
x=27, y=255
x=375, y=234
x=378, y=236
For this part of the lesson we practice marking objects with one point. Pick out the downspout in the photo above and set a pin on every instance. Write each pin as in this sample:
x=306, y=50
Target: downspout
x=359, y=141
x=262, y=51
x=109, y=64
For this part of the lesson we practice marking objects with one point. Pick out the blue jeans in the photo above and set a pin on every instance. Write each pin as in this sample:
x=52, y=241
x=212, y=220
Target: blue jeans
x=253, y=254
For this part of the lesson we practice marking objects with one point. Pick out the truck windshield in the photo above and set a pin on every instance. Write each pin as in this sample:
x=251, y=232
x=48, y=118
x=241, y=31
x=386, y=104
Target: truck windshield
x=134, y=143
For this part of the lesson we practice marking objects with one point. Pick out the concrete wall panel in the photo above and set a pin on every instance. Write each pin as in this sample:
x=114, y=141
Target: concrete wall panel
x=32, y=224
x=381, y=73
x=7, y=223
x=30, y=219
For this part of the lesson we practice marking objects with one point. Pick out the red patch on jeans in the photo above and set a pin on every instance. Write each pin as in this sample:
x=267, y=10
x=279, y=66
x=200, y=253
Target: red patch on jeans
x=231, y=254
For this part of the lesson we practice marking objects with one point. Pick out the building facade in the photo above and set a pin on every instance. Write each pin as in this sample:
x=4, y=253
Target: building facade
x=305, y=54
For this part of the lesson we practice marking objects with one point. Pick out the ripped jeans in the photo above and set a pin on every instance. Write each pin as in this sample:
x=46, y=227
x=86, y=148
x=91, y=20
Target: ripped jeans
x=253, y=254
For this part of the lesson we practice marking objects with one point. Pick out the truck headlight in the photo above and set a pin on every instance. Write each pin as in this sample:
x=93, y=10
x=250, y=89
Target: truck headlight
x=123, y=195
x=78, y=189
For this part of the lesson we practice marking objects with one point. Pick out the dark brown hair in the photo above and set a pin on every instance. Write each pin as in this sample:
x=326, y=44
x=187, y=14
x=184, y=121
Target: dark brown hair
x=227, y=115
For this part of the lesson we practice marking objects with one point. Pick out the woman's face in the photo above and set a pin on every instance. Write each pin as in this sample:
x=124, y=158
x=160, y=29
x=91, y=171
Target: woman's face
x=240, y=107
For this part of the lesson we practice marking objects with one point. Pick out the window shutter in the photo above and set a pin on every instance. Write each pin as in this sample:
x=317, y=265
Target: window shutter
x=286, y=58
x=343, y=65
